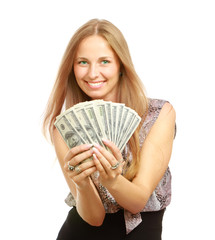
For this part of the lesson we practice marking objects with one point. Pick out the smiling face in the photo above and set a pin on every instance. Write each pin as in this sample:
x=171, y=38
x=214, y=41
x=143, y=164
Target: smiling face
x=97, y=68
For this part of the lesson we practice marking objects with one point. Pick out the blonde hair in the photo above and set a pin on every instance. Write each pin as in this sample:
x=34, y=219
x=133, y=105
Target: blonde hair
x=66, y=90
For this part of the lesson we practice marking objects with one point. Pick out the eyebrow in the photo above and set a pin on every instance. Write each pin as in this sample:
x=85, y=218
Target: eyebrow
x=81, y=58
x=84, y=58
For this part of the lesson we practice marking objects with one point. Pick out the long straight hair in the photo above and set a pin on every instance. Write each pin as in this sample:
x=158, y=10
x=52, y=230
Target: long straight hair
x=66, y=91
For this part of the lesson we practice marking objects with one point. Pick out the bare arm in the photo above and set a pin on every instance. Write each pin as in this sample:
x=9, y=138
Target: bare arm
x=155, y=157
x=88, y=202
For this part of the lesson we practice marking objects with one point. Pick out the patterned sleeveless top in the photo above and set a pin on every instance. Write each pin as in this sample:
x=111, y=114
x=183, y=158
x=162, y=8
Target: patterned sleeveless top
x=160, y=197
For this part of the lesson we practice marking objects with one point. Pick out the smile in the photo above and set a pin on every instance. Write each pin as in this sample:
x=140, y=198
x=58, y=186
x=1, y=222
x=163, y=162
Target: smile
x=95, y=84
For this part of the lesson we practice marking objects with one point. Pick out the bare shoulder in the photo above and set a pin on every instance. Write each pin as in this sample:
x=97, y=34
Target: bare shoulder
x=167, y=111
x=164, y=126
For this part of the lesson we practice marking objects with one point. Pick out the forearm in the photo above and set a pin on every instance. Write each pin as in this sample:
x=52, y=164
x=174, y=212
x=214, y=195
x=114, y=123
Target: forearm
x=128, y=195
x=89, y=204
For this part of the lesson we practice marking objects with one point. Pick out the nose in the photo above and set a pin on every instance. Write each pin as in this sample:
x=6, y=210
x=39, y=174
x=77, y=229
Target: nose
x=93, y=71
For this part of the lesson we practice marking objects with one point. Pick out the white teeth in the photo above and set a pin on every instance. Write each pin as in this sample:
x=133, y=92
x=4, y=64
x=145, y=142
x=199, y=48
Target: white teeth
x=94, y=84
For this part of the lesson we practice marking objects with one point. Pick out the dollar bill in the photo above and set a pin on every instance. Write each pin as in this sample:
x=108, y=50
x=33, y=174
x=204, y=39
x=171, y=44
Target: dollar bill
x=120, y=108
x=128, y=134
x=90, y=121
x=114, y=121
x=73, y=119
x=101, y=115
x=109, y=120
x=130, y=114
x=89, y=108
x=85, y=121
x=68, y=132
x=123, y=121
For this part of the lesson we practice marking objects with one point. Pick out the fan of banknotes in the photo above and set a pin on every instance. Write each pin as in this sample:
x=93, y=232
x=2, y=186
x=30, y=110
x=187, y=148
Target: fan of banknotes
x=92, y=121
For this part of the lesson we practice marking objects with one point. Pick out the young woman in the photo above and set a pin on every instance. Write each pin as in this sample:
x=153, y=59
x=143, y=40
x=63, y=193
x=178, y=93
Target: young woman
x=117, y=195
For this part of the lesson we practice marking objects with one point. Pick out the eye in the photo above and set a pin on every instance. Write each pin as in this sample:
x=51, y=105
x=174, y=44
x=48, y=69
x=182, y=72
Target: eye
x=82, y=62
x=105, y=61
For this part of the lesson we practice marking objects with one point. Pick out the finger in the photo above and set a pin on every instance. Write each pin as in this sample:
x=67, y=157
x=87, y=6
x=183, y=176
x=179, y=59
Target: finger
x=82, y=157
x=104, y=168
x=98, y=164
x=82, y=175
x=81, y=168
x=114, y=149
x=108, y=155
x=76, y=150
x=86, y=164
x=103, y=161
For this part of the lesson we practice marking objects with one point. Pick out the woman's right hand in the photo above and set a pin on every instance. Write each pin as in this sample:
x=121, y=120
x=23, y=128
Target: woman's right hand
x=82, y=188
x=78, y=164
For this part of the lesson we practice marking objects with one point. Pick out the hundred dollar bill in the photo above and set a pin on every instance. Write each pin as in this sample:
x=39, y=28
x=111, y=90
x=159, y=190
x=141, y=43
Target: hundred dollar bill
x=90, y=111
x=109, y=119
x=101, y=115
x=70, y=135
x=90, y=121
x=85, y=121
x=78, y=105
x=130, y=114
x=131, y=129
x=72, y=118
x=68, y=132
x=123, y=120
x=114, y=121
x=120, y=107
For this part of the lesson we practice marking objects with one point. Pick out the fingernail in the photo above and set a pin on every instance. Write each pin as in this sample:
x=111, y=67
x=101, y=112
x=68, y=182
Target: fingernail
x=95, y=150
x=105, y=140
x=89, y=145
x=97, y=145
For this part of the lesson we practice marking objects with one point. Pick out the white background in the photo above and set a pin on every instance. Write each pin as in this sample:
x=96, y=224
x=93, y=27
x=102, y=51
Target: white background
x=172, y=44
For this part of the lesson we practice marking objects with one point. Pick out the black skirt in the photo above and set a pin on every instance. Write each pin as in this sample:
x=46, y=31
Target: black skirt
x=113, y=227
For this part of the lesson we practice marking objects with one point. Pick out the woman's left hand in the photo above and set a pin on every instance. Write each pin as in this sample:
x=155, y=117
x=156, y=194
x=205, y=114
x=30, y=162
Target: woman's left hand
x=108, y=163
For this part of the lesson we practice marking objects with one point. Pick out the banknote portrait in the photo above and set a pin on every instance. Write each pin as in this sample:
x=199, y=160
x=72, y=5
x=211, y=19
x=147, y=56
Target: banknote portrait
x=72, y=139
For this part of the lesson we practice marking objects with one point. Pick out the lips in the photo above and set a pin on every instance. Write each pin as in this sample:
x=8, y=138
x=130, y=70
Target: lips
x=95, y=85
